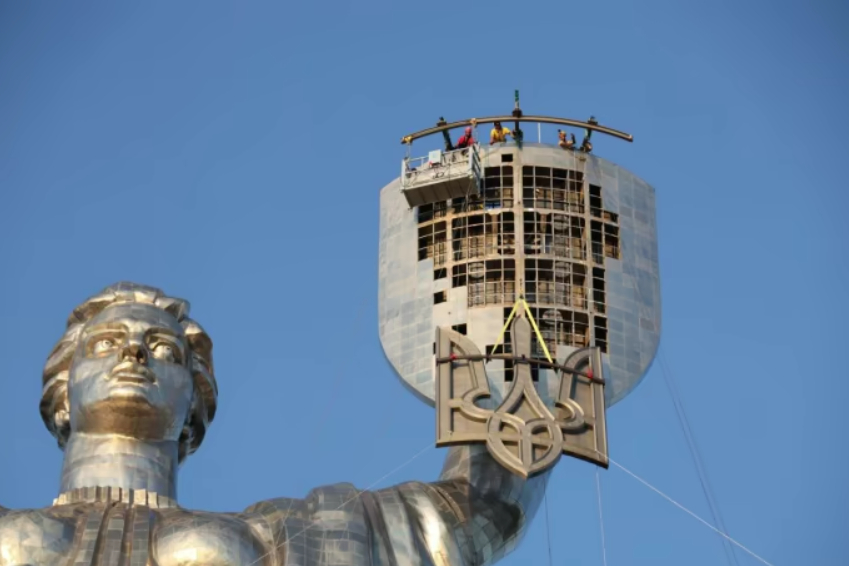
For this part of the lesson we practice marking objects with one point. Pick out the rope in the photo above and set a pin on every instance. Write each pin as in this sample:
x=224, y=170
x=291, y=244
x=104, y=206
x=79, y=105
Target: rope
x=483, y=155
x=467, y=198
x=333, y=386
x=536, y=330
x=338, y=377
x=342, y=362
x=322, y=553
x=504, y=328
x=521, y=301
x=339, y=372
x=692, y=447
x=350, y=500
x=600, y=519
x=707, y=490
x=675, y=503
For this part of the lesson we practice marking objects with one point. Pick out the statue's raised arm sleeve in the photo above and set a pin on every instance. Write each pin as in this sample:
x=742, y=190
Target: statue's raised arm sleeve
x=474, y=515
x=498, y=504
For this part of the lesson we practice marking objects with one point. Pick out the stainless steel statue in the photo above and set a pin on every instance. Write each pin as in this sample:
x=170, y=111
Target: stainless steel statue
x=129, y=392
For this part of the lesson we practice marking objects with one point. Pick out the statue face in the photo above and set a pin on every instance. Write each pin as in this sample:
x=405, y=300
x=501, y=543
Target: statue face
x=131, y=374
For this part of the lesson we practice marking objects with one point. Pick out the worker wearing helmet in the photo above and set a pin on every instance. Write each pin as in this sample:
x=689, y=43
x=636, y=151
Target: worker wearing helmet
x=466, y=139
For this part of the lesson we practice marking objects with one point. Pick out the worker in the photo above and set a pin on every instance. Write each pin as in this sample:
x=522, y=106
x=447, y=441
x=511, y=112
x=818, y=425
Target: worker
x=499, y=134
x=586, y=145
x=466, y=140
x=445, y=136
x=564, y=143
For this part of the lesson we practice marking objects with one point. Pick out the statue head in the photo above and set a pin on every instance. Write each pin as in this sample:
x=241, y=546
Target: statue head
x=131, y=363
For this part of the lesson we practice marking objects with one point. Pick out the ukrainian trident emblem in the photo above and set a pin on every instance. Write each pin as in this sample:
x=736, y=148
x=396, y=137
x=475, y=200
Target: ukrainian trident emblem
x=522, y=434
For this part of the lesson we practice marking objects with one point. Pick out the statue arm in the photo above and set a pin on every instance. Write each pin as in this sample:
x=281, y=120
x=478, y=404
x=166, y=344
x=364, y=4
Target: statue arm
x=474, y=515
x=497, y=505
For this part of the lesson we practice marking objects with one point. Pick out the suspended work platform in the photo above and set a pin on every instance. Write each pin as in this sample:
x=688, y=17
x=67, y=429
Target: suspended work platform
x=441, y=176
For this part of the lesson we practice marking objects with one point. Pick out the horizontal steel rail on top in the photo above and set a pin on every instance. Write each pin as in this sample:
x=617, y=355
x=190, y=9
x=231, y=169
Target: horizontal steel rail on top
x=504, y=119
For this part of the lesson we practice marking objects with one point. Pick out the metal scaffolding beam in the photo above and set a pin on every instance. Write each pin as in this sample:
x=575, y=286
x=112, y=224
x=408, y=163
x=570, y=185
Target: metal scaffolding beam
x=539, y=119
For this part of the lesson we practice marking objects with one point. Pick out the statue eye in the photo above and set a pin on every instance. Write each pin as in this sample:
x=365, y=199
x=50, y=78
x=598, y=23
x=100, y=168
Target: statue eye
x=103, y=345
x=163, y=351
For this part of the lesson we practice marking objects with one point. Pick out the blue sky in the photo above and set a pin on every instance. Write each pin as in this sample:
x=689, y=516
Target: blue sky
x=232, y=154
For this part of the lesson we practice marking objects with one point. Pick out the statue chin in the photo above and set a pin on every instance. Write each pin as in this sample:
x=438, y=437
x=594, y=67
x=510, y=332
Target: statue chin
x=129, y=414
x=130, y=394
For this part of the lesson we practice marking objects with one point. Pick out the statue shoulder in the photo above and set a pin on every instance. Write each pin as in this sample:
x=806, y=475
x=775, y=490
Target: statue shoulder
x=305, y=523
x=386, y=521
x=54, y=530
x=326, y=498
x=278, y=507
x=398, y=502
x=328, y=503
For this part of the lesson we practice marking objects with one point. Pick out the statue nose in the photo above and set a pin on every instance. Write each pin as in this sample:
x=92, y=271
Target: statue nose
x=135, y=351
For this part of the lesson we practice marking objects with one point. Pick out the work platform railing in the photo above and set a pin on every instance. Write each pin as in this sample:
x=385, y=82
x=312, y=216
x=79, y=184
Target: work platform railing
x=442, y=175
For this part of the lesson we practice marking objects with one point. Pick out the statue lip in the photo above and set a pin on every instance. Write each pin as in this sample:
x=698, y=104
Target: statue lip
x=131, y=372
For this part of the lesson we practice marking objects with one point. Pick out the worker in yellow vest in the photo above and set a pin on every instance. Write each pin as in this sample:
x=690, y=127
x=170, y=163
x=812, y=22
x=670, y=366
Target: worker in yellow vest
x=499, y=134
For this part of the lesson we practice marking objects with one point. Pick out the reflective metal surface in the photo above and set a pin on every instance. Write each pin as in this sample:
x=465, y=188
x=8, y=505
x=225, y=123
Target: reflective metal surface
x=129, y=392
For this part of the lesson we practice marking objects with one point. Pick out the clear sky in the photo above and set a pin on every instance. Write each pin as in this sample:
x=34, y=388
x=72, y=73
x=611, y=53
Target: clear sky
x=232, y=153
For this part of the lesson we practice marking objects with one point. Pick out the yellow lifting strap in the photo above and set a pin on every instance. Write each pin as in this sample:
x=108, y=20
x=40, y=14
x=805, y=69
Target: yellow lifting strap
x=521, y=301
